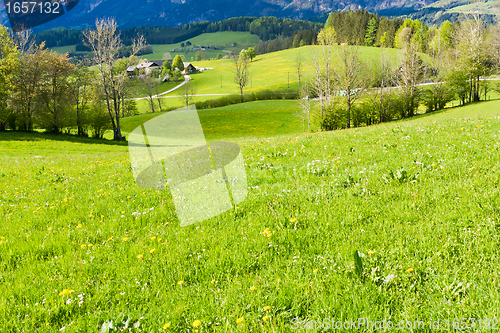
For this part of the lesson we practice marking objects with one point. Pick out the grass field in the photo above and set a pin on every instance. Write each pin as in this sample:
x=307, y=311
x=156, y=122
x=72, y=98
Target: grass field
x=273, y=71
x=256, y=119
x=81, y=245
x=64, y=49
x=223, y=40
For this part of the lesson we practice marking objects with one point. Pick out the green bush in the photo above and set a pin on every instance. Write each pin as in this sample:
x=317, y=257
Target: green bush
x=235, y=99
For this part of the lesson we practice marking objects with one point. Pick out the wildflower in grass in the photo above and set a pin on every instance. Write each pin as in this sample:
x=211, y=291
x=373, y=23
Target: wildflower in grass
x=90, y=245
x=166, y=326
x=83, y=246
x=239, y=320
x=125, y=239
x=66, y=292
x=370, y=252
x=315, y=271
x=267, y=308
x=409, y=270
x=110, y=238
x=153, y=238
x=79, y=226
x=140, y=256
x=252, y=288
x=212, y=282
x=293, y=220
x=265, y=318
x=196, y=323
x=266, y=232
x=152, y=251
x=180, y=282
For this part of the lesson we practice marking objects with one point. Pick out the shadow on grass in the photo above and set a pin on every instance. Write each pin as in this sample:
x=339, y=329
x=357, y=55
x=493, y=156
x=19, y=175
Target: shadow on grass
x=40, y=136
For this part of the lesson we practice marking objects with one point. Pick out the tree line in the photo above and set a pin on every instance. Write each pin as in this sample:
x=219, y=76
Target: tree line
x=40, y=88
x=354, y=92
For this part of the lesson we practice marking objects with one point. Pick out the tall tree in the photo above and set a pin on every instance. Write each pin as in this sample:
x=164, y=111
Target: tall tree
x=472, y=55
x=8, y=66
x=80, y=86
x=352, y=77
x=371, y=32
x=55, y=92
x=27, y=83
x=411, y=73
x=322, y=68
x=241, y=73
x=104, y=41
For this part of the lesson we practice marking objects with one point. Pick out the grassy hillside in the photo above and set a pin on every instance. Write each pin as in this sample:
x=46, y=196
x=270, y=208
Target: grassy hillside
x=223, y=40
x=255, y=119
x=269, y=71
x=82, y=245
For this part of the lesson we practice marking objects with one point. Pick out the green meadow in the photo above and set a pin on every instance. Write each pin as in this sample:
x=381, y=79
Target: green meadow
x=398, y=221
x=271, y=71
x=223, y=40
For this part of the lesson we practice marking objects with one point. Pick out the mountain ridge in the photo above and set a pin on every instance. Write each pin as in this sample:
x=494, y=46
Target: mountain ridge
x=173, y=13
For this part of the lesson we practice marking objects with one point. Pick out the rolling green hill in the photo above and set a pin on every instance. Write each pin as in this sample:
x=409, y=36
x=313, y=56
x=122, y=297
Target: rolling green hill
x=268, y=71
x=222, y=40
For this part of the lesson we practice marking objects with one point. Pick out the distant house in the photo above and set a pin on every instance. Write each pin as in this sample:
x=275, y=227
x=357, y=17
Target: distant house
x=148, y=66
x=188, y=68
x=130, y=70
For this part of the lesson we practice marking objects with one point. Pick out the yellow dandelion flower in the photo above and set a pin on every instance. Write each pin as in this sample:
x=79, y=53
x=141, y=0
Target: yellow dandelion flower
x=79, y=226
x=293, y=220
x=409, y=270
x=153, y=238
x=267, y=308
x=140, y=256
x=370, y=252
x=265, y=318
x=252, y=288
x=66, y=292
x=83, y=246
x=166, y=326
x=239, y=320
x=125, y=239
x=90, y=245
x=212, y=282
x=315, y=271
x=152, y=251
x=196, y=323
x=180, y=282
x=110, y=238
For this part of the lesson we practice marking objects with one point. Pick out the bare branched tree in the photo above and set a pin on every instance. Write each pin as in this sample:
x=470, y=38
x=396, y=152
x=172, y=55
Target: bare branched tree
x=188, y=91
x=471, y=52
x=351, y=76
x=298, y=67
x=410, y=76
x=305, y=107
x=24, y=41
x=104, y=41
x=322, y=68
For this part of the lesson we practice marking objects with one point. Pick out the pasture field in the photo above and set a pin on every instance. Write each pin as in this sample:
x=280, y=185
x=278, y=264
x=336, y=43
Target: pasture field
x=268, y=71
x=223, y=39
x=82, y=246
x=257, y=119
